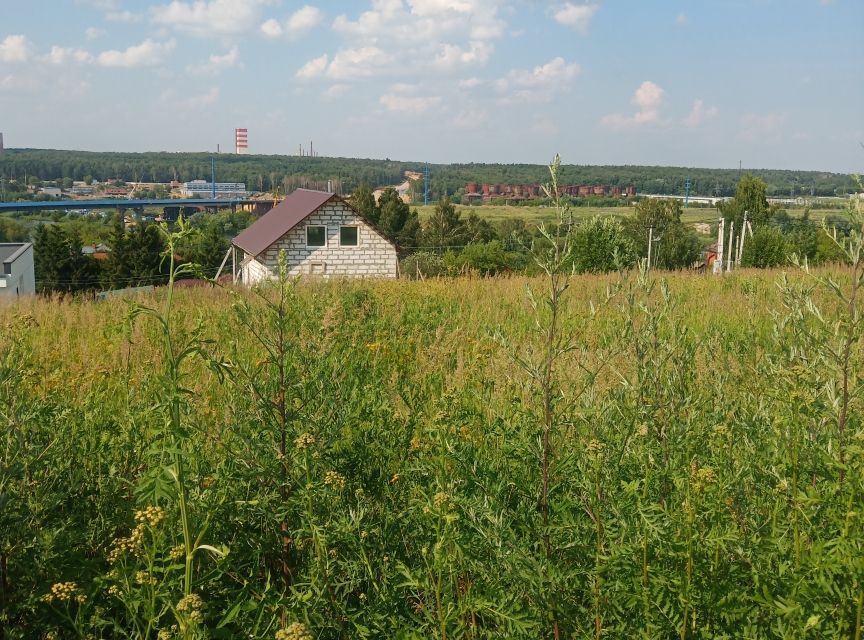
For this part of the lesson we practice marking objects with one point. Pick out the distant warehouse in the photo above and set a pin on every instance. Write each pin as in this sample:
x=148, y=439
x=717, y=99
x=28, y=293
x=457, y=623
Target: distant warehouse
x=204, y=189
x=17, y=276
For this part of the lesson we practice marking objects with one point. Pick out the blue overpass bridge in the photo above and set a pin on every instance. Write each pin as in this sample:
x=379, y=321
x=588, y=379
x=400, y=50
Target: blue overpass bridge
x=171, y=208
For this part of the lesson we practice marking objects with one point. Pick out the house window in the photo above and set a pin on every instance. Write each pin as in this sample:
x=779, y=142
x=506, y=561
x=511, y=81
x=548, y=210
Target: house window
x=316, y=236
x=349, y=237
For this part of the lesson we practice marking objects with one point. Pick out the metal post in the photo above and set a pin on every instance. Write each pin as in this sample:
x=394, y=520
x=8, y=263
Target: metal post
x=213, y=176
x=650, y=242
x=233, y=265
x=721, y=232
x=741, y=239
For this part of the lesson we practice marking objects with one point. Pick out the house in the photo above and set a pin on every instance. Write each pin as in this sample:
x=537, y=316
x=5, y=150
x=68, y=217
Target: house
x=321, y=235
x=17, y=276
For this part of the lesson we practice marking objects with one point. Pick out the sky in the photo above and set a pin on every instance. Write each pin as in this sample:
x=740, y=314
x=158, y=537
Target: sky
x=707, y=83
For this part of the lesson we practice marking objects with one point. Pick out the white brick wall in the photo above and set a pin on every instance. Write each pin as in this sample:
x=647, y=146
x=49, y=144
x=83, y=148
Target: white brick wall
x=374, y=257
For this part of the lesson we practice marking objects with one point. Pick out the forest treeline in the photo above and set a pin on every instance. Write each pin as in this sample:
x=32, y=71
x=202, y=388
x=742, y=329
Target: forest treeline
x=269, y=172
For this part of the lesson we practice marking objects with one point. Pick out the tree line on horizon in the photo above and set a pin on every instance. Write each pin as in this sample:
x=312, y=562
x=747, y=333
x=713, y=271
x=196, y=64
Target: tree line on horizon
x=284, y=173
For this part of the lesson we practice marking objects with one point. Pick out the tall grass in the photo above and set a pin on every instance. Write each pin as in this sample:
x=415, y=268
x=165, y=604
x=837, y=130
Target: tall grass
x=364, y=460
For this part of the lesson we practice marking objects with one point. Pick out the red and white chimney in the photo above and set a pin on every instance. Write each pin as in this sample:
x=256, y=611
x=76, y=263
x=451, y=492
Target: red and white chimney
x=241, y=141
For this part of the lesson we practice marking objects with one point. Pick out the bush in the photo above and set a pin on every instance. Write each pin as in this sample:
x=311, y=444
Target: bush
x=423, y=264
x=490, y=258
x=827, y=251
x=678, y=248
x=601, y=245
x=768, y=247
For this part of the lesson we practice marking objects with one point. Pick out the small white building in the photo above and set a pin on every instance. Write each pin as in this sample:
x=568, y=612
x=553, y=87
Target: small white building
x=17, y=275
x=321, y=235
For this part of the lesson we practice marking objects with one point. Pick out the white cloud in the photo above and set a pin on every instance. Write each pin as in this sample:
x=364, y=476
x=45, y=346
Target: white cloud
x=410, y=104
x=314, y=68
x=272, y=28
x=469, y=83
x=303, y=20
x=699, y=114
x=681, y=20
x=216, y=63
x=60, y=55
x=147, y=53
x=417, y=35
x=539, y=83
x=647, y=98
x=299, y=23
x=345, y=64
x=451, y=55
x=15, y=48
x=92, y=33
x=576, y=16
x=206, y=17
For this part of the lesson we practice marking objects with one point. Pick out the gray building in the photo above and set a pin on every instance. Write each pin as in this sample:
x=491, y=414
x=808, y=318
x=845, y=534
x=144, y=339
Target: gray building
x=17, y=276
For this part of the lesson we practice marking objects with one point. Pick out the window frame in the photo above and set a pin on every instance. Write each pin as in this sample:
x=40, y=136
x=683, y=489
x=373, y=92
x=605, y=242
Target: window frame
x=316, y=246
x=349, y=246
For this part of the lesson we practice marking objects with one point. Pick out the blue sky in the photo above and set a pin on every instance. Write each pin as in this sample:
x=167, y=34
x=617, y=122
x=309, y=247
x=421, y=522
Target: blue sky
x=772, y=83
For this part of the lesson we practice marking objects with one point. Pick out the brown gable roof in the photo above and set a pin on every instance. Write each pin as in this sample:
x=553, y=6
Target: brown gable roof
x=281, y=219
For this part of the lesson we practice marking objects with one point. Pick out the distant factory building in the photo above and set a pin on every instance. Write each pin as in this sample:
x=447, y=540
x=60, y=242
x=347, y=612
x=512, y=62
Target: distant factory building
x=17, y=275
x=204, y=189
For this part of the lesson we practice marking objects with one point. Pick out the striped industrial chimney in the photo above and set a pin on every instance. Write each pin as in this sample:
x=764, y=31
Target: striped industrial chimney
x=241, y=141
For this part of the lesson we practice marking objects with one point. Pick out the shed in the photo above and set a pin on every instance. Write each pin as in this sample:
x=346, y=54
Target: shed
x=321, y=235
x=17, y=276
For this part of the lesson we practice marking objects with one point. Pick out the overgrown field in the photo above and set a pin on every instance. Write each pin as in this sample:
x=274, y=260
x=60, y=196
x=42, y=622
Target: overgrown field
x=682, y=459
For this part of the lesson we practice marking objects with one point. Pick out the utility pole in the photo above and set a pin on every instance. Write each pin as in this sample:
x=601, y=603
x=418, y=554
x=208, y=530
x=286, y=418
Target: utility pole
x=213, y=177
x=721, y=232
x=731, y=246
x=741, y=239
